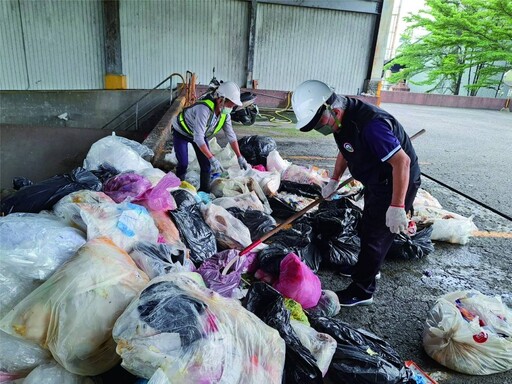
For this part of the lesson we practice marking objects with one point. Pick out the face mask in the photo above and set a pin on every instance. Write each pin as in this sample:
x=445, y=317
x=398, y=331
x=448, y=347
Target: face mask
x=226, y=110
x=325, y=130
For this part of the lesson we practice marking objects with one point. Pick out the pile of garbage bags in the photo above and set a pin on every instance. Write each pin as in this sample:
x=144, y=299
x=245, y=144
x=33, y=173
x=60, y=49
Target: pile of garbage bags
x=118, y=262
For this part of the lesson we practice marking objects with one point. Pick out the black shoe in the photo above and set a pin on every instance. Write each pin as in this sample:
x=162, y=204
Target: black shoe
x=348, y=299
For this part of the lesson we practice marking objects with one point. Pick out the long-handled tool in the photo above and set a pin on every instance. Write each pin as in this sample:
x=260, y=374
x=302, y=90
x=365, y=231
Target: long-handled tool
x=295, y=217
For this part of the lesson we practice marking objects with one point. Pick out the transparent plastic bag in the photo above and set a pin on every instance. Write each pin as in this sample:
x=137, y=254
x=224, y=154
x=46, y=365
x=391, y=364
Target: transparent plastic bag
x=18, y=356
x=195, y=336
x=32, y=247
x=53, y=373
x=69, y=207
x=160, y=259
x=230, y=232
x=73, y=312
x=124, y=223
x=244, y=202
x=321, y=345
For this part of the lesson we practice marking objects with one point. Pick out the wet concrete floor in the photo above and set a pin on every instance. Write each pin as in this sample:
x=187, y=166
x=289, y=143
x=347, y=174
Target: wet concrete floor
x=468, y=150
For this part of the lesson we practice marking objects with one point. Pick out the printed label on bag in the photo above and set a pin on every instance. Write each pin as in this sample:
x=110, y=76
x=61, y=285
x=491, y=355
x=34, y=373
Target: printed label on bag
x=481, y=337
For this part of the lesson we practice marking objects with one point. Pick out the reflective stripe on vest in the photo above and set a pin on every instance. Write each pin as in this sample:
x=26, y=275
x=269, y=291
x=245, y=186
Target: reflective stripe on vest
x=211, y=105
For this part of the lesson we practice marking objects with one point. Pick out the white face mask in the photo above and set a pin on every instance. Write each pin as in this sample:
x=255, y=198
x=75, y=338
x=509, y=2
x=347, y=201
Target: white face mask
x=226, y=110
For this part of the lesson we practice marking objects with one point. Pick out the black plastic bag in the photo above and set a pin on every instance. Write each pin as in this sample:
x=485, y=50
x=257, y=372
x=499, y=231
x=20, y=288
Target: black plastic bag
x=256, y=148
x=183, y=198
x=259, y=223
x=306, y=190
x=361, y=357
x=269, y=259
x=413, y=247
x=337, y=236
x=268, y=304
x=280, y=209
x=20, y=182
x=297, y=239
x=43, y=195
x=105, y=172
x=195, y=233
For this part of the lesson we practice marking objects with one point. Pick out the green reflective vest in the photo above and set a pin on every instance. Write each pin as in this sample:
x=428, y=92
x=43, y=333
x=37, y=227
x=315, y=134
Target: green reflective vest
x=211, y=105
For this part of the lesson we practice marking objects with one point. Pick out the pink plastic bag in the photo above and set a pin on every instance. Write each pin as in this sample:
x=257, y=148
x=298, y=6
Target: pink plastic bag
x=259, y=167
x=298, y=282
x=126, y=187
x=159, y=198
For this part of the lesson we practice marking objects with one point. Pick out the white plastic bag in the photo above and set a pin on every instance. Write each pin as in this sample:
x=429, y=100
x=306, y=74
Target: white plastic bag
x=276, y=163
x=455, y=231
x=470, y=333
x=121, y=153
x=73, y=312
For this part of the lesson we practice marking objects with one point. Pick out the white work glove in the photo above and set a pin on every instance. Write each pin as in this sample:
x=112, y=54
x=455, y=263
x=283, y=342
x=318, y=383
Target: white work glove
x=216, y=166
x=396, y=219
x=330, y=188
x=243, y=163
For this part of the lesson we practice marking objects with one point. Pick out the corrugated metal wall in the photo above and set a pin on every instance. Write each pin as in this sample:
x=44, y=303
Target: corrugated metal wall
x=162, y=36
x=13, y=74
x=51, y=44
x=59, y=44
x=295, y=44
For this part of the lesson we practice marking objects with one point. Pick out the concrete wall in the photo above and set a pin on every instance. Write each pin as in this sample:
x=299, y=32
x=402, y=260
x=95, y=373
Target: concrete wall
x=39, y=153
x=442, y=100
x=85, y=109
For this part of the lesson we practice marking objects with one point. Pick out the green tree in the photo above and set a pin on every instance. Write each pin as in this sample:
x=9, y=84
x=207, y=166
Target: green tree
x=470, y=38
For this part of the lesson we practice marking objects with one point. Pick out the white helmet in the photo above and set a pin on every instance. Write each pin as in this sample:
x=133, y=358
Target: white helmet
x=229, y=90
x=307, y=99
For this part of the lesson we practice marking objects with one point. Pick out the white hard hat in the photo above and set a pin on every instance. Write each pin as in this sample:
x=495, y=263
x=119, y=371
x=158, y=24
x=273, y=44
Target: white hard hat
x=307, y=99
x=229, y=90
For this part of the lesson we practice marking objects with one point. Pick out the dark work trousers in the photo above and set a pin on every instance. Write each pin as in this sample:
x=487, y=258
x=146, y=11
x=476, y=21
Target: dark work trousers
x=180, y=143
x=376, y=238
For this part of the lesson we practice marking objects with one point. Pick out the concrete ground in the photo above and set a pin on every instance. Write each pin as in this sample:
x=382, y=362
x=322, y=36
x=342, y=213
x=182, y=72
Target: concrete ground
x=468, y=150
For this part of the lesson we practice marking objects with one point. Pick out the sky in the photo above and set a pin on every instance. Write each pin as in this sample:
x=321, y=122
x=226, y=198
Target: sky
x=403, y=7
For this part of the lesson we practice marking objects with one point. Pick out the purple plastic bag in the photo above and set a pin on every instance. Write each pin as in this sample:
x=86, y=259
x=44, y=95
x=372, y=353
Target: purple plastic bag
x=126, y=187
x=212, y=268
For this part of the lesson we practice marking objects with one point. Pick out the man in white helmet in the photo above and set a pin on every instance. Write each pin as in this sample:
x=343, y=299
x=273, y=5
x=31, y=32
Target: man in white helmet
x=201, y=121
x=375, y=148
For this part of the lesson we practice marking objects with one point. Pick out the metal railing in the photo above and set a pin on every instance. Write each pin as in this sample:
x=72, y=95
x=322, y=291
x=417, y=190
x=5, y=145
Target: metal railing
x=130, y=118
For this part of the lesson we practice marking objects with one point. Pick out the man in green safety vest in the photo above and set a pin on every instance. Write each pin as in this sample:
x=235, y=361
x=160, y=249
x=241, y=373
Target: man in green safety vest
x=201, y=121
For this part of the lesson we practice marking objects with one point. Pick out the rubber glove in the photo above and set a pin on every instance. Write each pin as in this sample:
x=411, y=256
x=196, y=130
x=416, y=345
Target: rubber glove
x=243, y=163
x=396, y=219
x=329, y=189
x=216, y=166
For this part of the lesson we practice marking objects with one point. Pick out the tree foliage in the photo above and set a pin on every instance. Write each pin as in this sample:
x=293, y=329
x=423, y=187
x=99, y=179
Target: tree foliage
x=470, y=38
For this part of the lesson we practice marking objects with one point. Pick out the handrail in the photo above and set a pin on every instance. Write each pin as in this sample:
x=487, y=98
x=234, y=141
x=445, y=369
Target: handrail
x=168, y=78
